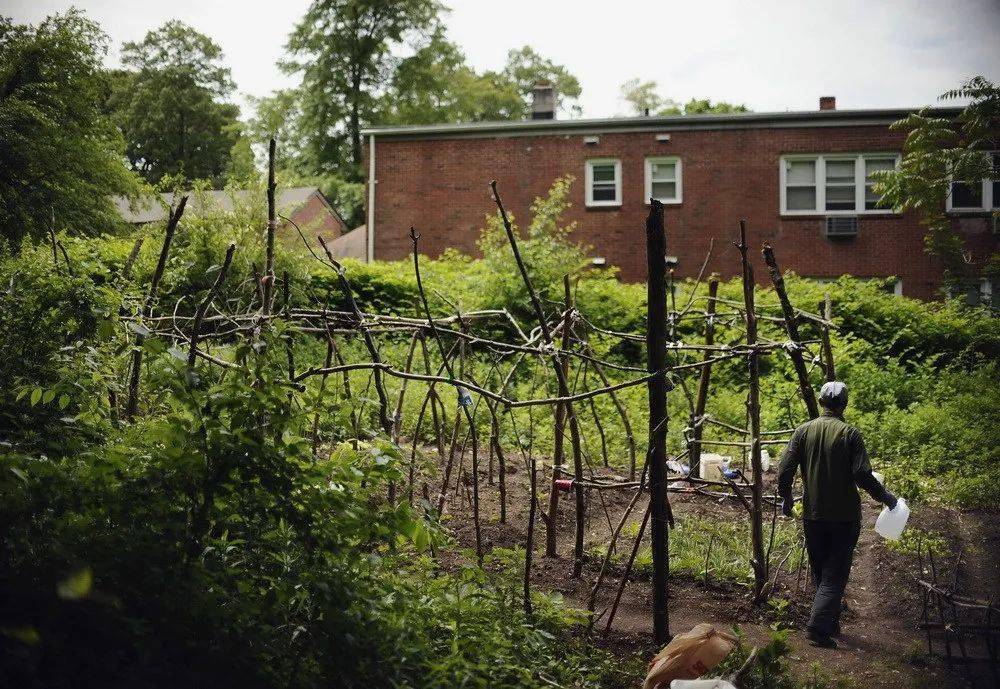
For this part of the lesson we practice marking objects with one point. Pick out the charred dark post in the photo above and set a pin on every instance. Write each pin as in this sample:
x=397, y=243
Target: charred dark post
x=792, y=328
x=759, y=562
x=697, y=422
x=272, y=215
x=132, y=405
x=656, y=345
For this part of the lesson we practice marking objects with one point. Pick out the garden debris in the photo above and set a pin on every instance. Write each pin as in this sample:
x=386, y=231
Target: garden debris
x=688, y=656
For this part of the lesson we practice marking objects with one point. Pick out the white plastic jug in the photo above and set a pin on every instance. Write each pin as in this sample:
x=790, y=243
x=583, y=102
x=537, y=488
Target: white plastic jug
x=890, y=523
x=701, y=684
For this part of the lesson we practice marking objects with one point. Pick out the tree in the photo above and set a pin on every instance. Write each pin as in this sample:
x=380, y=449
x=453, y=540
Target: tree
x=171, y=105
x=525, y=68
x=642, y=96
x=436, y=85
x=344, y=50
x=938, y=151
x=61, y=157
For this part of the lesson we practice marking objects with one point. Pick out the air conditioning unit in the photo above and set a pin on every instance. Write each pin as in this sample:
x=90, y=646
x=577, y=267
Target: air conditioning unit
x=841, y=226
x=995, y=223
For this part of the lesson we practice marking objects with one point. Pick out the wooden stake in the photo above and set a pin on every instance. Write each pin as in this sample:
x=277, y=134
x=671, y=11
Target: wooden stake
x=759, y=562
x=656, y=341
x=132, y=405
x=792, y=328
x=272, y=224
x=706, y=374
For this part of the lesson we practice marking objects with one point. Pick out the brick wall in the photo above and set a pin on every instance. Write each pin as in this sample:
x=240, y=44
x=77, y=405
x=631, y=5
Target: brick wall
x=314, y=217
x=440, y=186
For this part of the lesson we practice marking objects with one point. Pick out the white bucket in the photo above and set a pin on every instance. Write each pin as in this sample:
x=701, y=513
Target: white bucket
x=710, y=466
x=890, y=523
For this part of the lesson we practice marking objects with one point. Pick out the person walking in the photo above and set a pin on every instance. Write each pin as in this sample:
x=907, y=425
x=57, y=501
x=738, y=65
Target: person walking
x=832, y=456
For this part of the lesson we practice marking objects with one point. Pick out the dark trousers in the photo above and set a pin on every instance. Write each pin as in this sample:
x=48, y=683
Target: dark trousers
x=830, y=546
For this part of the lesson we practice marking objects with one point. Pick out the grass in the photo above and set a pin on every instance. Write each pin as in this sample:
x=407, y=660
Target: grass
x=728, y=559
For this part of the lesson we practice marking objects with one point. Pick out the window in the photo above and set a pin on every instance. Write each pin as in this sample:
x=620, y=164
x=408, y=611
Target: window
x=663, y=179
x=977, y=196
x=604, y=182
x=872, y=200
x=832, y=184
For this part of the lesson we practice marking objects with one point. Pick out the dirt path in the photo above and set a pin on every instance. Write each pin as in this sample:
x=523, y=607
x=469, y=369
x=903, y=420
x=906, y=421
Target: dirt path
x=881, y=645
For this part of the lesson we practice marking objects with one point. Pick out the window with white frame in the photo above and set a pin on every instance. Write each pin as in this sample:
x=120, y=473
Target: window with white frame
x=974, y=196
x=833, y=184
x=663, y=179
x=604, y=182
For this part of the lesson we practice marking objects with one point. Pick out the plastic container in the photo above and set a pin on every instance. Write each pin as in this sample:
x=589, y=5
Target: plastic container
x=701, y=684
x=711, y=464
x=890, y=523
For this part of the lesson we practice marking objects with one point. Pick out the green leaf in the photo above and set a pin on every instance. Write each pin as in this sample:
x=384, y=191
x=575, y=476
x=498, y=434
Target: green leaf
x=26, y=635
x=20, y=474
x=76, y=585
x=63, y=401
x=48, y=396
x=36, y=395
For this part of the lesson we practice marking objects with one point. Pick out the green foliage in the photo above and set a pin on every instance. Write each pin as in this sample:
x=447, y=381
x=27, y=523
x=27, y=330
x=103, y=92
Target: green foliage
x=772, y=668
x=937, y=151
x=728, y=557
x=546, y=247
x=643, y=99
x=61, y=156
x=171, y=105
x=344, y=49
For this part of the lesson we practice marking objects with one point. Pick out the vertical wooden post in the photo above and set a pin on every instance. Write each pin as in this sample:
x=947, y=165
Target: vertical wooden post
x=656, y=341
x=792, y=328
x=559, y=440
x=759, y=562
x=694, y=456
x=132, y=404
x=271, y=226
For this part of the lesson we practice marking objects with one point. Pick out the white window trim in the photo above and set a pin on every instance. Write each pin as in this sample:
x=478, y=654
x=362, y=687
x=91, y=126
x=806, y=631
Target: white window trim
x=989, y=203
x=820, y=159
x=589, y=182
x=678, y=176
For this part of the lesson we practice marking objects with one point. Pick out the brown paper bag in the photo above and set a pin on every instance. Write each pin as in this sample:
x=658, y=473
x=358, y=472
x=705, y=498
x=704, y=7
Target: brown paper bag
x=689, y=656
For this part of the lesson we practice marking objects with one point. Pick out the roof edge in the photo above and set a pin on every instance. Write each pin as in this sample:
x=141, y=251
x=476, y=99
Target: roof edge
x=727, y=120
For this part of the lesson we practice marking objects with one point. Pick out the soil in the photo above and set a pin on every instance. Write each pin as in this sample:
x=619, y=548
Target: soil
x=881, y=644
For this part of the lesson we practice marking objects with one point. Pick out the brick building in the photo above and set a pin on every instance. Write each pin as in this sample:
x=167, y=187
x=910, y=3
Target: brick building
x=801, y=179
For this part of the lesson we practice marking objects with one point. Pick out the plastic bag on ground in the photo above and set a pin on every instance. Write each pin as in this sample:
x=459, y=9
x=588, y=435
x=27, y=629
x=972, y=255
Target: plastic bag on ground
x=701, y=684
x=688, y=656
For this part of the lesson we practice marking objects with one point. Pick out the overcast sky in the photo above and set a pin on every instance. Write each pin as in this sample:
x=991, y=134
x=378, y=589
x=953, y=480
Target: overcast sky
x=768, y=54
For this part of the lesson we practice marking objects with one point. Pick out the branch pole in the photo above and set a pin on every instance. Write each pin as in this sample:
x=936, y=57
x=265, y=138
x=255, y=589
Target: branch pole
x=132, y=405
x=556, y=365
x=759, y=562
x=206, y=302
x=829, y=369
x=470, y=419
x=268, y=278
x=792, y=328
x=656, y=352
x=706, y=376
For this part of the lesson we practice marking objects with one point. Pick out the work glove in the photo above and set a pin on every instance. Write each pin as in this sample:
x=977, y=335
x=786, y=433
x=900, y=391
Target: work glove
x=786, y=506
x=890, y=500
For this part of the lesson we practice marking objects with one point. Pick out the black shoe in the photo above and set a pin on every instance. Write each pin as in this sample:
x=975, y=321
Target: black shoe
x=836, y=630
x=821, y=641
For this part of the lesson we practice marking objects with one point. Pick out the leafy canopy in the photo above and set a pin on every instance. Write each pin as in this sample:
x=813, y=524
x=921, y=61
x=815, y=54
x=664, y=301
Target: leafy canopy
x=937, y=151
x=61, y=156
x=643, y=99
x=170, y=105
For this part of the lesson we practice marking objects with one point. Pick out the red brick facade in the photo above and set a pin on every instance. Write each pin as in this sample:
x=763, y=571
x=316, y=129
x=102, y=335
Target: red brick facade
x=438, y=182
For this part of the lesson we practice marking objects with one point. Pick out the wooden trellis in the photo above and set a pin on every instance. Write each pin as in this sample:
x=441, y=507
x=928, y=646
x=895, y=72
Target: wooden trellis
x=554, y=341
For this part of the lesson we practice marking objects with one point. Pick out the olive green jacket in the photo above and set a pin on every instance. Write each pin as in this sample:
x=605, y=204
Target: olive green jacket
x=834, y=462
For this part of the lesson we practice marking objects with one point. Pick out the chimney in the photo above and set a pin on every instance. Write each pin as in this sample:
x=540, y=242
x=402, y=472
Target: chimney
x=543, y=101
x=827, y=102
